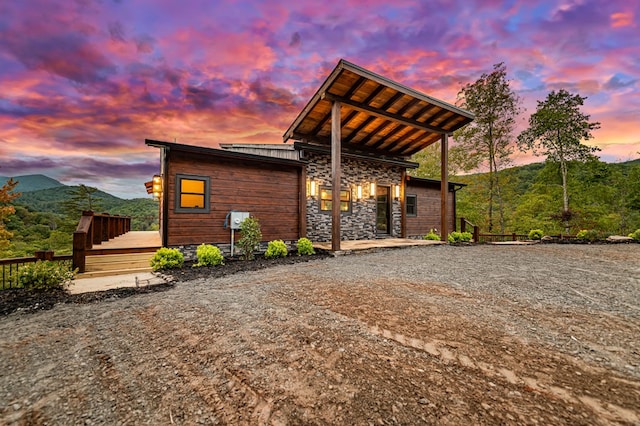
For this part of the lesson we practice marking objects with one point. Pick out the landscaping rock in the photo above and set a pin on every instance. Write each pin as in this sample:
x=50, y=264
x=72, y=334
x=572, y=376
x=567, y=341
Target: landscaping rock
x=619, y=239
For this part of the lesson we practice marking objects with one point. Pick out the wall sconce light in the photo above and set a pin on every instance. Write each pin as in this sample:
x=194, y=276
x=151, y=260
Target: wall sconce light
x=312, y=188
x=157, y=186
x=372, y=189
x=358, y=192
x=396, y=192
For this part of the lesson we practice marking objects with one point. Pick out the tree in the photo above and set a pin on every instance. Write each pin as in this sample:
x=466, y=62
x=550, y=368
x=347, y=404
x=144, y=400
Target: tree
x=6, y=209
x=81, y=199
x=556, y=130
x=488, y=138
x=429, y=162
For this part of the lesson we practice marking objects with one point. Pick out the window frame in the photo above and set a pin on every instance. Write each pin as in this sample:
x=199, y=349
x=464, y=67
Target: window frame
x=415, y=205
x=178, y=192
x=328, y=211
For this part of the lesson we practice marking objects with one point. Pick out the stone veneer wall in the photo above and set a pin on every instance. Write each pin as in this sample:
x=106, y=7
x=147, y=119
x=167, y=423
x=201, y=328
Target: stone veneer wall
x=360, y=223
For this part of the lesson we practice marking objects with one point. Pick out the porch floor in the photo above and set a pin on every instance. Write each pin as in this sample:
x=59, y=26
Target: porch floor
x=362, y=245
x=132, y=239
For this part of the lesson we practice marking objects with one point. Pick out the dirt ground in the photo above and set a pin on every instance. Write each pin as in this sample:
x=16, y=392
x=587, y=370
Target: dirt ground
x=542, y=334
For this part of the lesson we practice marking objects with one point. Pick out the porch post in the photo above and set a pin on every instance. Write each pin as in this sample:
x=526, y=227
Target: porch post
x=444, y=186
x=336, y=140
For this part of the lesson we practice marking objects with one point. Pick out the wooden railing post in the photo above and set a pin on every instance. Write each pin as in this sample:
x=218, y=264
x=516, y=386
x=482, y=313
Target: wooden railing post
x=83, y=238
x=476, y=233
x=79, y=250
x=463, y=224
x=104, y=226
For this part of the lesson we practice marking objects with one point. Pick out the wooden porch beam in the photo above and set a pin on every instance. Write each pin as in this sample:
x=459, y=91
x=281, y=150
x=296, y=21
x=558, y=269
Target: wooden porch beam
x=335, y=175
x=384, y=114
x=444, y=186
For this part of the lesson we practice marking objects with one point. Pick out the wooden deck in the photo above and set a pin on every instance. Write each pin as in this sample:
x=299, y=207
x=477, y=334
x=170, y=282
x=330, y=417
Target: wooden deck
x=132, y=239
x=363, y=245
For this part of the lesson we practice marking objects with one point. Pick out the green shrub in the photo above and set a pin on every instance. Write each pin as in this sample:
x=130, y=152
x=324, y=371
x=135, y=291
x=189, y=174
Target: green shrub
x=536, y=234
x=305, y=247
x=251, y=237
x=276, y=248
x=459, y=237
x=432, y=235
x=209, y=255
x=588, y=235
x=45, y=275
x=167, y=258
x=635, y=235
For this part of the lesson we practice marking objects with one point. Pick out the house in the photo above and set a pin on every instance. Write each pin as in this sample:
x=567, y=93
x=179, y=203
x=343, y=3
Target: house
x=356, y=133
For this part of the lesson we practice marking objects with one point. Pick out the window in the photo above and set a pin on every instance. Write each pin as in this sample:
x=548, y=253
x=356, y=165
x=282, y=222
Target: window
x=192, y=194
x=411, y=205
x=325, y=200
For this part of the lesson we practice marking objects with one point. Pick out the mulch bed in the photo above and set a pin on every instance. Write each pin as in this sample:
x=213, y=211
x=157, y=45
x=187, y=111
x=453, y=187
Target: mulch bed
x=18, y=299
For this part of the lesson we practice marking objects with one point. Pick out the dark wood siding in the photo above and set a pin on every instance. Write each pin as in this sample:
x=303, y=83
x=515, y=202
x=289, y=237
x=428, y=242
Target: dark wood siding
x=428, y=208
x=270, y=192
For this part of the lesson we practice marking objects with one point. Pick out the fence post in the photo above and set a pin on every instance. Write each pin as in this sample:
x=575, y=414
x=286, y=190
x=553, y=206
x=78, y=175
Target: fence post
x=463, y=224
x=476, y=233
x=513, y=236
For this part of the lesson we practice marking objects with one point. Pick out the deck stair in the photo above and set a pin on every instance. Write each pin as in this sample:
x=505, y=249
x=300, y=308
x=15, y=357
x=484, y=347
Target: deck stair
x=129, y=253
x=116, y=264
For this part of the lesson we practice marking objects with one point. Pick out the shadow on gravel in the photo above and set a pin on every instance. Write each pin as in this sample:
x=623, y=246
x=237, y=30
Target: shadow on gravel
x=17, y=299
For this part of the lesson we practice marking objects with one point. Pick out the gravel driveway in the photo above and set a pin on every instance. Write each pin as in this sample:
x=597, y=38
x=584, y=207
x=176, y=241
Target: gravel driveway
x=541, y=334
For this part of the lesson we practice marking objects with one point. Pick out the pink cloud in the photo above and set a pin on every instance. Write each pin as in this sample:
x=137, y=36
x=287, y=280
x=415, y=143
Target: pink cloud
x=622, y=19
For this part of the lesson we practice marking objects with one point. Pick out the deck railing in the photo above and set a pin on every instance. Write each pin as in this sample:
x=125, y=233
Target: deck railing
x=466, y=226
x=94, y=228
x=9, y=267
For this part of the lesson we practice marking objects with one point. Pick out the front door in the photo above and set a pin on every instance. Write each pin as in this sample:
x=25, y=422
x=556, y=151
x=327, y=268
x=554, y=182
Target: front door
x=383, y=215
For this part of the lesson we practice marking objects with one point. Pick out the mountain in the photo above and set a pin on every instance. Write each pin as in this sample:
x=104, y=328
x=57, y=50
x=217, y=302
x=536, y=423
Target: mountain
x=28, y=183
x=52, y=199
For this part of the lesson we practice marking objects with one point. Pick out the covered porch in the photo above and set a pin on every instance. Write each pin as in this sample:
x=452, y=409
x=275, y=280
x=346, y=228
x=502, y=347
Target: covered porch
x=358, y=112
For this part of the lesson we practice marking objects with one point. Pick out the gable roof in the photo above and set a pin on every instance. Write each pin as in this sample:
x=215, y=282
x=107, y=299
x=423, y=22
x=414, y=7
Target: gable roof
x=378, y=114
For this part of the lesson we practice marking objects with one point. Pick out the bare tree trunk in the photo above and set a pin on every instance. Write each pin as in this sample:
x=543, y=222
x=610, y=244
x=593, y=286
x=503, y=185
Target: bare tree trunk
x=499, y=198
x=565, y=195
x=491, y=177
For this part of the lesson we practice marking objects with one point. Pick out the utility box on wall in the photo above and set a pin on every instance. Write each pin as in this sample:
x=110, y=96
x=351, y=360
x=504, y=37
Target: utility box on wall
x=237, y=218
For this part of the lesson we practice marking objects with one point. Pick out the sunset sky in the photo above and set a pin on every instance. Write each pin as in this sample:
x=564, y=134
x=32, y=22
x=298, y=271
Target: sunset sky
x=84, y=82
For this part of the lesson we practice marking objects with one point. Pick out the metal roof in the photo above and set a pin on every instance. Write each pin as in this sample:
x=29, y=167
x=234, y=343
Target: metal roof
x=378, y=115
x=227, y=154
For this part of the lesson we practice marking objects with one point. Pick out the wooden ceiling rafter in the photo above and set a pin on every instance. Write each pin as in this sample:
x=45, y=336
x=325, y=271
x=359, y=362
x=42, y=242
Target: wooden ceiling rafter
x=348, y=138
x=384, y=114
x=377, y=113
x=385, y=123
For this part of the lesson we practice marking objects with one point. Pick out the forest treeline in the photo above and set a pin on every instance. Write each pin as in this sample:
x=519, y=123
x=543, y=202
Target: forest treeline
x=604, y=197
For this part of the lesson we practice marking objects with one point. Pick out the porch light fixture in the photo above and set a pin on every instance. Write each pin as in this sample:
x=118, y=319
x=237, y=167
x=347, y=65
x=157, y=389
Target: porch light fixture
x=358, y=192
x=157, y=186
x=396, y=192
x=372, y=189
x=312, y=188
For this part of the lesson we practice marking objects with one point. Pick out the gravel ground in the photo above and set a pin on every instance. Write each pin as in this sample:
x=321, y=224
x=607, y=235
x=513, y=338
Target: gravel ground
x=541, y=334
